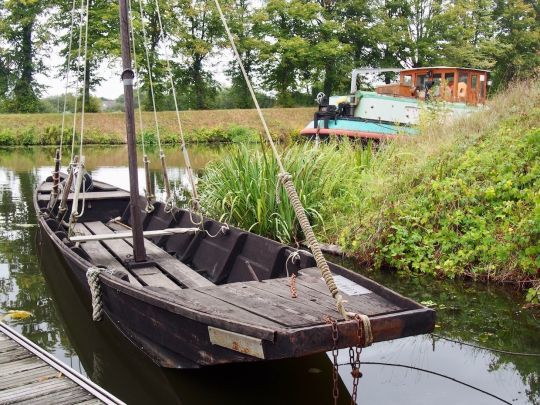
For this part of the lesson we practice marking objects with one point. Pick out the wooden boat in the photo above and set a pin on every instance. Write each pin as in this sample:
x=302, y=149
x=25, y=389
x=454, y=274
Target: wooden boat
x=201, y=301
x=393, y=109
x=190, y=291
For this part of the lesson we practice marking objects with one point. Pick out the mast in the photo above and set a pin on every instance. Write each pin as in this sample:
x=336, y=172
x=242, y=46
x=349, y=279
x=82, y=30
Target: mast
x=139, y=253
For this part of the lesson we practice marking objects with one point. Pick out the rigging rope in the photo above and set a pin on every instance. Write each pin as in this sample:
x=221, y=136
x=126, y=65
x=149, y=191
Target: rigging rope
x=78, y=81
x=286, y=179
x=68, y=70
x=148, y=191
x=195, y=196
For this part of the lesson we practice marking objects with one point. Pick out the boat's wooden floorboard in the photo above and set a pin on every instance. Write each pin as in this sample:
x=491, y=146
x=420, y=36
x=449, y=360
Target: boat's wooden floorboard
x=101, y=256
x=175, y=268
x=27, y=378
x=149, y=275
x=267, y=303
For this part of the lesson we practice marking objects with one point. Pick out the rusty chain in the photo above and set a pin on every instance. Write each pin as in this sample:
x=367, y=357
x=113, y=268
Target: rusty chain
x=335, y=352
x=294, y=291
x=354, y=359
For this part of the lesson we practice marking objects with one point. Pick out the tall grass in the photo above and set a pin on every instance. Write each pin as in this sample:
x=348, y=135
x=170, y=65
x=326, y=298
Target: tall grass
x=242, y=190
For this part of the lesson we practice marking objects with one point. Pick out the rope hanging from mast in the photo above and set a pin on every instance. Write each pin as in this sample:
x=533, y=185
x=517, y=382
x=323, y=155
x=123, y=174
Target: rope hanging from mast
x=148, y=192
x=195, y=196
x=286, y=180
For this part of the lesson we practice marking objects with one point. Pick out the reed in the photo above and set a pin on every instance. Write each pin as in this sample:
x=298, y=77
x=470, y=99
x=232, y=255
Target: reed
x=241, y=188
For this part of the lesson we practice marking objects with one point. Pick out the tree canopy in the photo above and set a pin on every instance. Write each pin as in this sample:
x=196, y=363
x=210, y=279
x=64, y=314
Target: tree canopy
x=292, y=49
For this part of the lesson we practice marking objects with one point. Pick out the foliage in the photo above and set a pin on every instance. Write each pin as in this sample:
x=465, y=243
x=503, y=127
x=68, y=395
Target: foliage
x=462, y=204
x=241, y=189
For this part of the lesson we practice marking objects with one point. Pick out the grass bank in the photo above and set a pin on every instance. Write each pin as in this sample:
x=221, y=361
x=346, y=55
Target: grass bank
x=460, y=200
x=199, y=126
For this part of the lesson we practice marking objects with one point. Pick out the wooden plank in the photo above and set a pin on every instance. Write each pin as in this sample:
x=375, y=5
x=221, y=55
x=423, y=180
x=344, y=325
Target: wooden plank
x=35, y=375
x=268, y=305
x=19, y=366
x=7, y=345
x=101, y=256
x=368, y=304
x=70, y=396
x=149, y=275
x=40, y=378
x=13, y=355
x=91, y=195
x=218, y=309
x=175, y=268
x=34, y=390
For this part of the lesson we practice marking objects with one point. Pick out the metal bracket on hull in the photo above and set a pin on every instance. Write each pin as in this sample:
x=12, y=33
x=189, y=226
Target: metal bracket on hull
x=237, y=342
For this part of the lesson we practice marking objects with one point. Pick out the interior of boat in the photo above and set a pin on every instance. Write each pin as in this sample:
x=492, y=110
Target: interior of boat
x=233, y=266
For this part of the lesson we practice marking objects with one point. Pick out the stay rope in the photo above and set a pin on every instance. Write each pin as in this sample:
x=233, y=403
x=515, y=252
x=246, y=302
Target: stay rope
x=187, y=161
x=68, y=70
x=286, y=179
x=148, y=190
x=78, y=81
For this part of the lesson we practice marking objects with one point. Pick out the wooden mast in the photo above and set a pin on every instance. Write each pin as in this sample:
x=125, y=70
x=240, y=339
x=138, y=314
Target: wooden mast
x=139, y=253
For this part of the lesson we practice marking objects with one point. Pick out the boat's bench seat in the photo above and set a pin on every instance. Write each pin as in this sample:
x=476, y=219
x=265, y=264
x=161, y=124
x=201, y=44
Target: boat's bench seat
x=91, y=195
x=165, y=270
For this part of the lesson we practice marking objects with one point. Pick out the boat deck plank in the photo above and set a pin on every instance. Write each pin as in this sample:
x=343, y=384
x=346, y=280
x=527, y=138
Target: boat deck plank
x=175, y=268
x=91, y=195
x=101, y=256
x=29, y=375
x=149, y=275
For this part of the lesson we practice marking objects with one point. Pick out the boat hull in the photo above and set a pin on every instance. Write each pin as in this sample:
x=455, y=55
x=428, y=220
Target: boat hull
x=176, y=331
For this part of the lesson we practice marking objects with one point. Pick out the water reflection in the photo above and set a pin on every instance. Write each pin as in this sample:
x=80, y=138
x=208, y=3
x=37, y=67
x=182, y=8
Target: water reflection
x=61, y=322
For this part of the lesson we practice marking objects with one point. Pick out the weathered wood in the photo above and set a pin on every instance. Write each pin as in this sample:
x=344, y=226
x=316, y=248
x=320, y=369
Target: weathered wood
x=35, y=377
x=175, y=268
x=101, y=256
x=91, y=196
x=268, y=305
x=47, y=186
x=127, y=235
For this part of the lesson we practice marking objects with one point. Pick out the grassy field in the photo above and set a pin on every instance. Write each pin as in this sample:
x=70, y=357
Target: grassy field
x=199, y=126
x=462, y=199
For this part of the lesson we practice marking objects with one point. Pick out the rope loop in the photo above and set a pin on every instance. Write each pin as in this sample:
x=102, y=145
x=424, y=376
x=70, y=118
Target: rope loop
x=169, y=205
x=222, y=230
x=92, y=275
x=365, y=334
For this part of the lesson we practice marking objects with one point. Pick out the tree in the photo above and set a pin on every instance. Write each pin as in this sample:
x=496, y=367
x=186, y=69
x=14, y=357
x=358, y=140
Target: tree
x=518, y=23
x=103, y=41
x=19, y=28
x=197, y=32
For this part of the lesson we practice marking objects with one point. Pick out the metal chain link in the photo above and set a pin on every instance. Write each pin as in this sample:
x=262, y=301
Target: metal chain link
x=335, y=352
x=354, y=359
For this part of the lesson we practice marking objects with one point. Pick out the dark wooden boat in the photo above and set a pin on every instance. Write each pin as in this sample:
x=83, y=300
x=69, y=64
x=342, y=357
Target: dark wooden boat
x=201, y=301
x=191, y=291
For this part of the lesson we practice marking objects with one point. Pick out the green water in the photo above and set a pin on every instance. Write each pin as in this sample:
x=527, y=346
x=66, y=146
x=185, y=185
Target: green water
x=34, y=278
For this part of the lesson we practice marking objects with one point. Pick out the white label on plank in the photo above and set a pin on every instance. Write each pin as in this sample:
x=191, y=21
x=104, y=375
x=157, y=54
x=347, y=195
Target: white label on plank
x=349, y=287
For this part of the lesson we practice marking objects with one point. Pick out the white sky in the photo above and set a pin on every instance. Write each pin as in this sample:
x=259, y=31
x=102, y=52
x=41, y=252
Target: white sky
x=111, y=87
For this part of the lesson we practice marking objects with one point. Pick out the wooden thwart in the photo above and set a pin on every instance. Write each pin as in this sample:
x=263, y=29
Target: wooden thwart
x=126, y=235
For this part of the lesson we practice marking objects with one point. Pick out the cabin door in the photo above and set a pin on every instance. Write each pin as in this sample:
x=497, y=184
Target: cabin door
x=473, y=92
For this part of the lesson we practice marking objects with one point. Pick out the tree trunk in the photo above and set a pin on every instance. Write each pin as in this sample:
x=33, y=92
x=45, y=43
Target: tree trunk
x=198, y=84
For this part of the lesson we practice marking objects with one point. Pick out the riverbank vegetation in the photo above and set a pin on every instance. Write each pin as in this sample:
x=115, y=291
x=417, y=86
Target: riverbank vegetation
x=462, y=199
x=199, y=126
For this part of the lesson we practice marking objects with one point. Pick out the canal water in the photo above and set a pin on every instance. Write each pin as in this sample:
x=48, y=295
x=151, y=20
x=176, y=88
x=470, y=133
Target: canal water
x=416, y=370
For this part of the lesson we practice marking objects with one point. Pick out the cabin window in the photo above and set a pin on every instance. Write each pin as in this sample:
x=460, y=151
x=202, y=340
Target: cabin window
x=449, y=80
x=420, y=82
x=407, y=79
x=482, y=86
x=462, y=86
x=435, y=89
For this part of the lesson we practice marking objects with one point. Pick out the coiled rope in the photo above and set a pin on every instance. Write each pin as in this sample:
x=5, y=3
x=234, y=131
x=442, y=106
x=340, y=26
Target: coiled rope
x=92, y=276
x=286, y=179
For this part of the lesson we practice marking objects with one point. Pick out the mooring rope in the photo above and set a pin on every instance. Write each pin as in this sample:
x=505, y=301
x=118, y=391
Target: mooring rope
x=286, y=179
x=92, y=276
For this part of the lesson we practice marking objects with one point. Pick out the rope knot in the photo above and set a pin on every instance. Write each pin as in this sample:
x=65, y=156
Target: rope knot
x=92, y=275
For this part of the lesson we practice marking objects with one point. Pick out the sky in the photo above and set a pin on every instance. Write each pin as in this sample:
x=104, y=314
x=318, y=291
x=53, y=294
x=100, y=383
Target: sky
x=111, y=87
